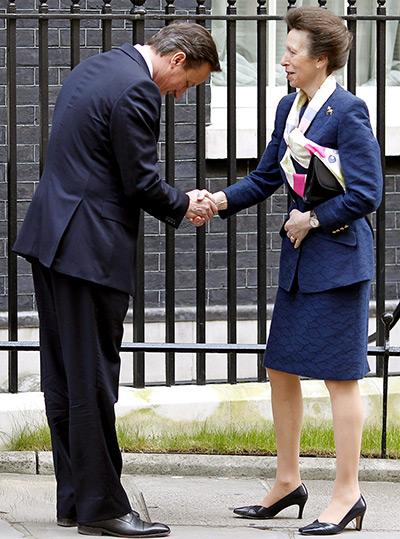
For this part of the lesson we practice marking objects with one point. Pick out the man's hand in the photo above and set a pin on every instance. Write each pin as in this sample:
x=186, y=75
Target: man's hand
x=297, y=227
x=201, y=207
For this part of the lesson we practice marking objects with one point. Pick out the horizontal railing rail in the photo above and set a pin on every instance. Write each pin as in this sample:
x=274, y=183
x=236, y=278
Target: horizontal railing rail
x=215, y=348
x=140, y=19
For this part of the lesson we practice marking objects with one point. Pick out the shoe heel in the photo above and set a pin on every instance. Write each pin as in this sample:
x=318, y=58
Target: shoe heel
x=86, y=530
x=301, y=509
x=359, y=521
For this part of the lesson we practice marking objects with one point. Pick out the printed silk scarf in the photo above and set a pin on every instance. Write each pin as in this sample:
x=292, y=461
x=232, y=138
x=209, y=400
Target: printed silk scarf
x=299, y=147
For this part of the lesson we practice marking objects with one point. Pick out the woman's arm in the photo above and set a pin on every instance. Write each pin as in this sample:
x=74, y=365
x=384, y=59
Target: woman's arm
x=266, y=179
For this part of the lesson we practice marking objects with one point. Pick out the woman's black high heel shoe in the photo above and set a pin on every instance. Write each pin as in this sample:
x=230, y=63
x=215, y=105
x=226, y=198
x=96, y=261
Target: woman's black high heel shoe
x=297, y=497
x=326, y=528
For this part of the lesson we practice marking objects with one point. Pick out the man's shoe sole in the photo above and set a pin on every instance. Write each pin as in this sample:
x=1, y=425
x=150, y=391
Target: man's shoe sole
x=89, y=530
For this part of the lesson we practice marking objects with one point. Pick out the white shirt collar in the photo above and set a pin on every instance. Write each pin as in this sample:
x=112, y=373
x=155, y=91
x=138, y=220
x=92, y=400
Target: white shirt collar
x=145, y=53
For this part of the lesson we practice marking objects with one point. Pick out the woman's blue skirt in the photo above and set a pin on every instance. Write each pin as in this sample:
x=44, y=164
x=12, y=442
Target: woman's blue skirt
x=322, y=335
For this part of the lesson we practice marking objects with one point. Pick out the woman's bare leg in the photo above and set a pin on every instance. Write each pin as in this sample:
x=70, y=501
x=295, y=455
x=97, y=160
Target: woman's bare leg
x=287, y=409
x=348, y=417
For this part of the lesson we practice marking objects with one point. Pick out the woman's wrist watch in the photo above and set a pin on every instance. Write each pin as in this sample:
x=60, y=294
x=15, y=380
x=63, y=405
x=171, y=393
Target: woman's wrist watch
x=314, y=223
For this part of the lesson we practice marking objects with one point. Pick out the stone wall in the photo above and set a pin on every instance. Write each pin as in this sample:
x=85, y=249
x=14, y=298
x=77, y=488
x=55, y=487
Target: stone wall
x=185, y=148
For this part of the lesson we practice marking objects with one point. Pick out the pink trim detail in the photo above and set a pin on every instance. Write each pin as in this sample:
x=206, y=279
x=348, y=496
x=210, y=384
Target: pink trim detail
x=299, y=182
x=314, y=147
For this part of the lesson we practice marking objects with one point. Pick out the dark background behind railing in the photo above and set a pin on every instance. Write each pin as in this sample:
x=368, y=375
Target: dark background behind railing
x=188, y=274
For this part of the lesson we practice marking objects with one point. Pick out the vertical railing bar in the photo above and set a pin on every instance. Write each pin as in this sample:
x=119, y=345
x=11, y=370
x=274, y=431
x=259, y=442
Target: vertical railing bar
x=12, y=195
x=106, y=27
x=290, y=91
x=387, y=319
x=352, y=62
x=43, y=85
x=381, y=363
x=43, y=90
x=380, y=214
x=169, y=231
x=291, y=5
x=262, y=207
x=75, y=34
x=138, y=319
x=201, y=231
x=139, y=373
x=231, y=177
x=201, y=176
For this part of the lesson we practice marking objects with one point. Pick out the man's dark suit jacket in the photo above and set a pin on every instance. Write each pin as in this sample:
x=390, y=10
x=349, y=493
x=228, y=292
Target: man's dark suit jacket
x=101, y=168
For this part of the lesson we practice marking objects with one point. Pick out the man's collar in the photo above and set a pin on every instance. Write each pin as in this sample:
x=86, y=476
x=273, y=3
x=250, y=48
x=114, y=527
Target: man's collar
x=145, y=53
x=131, y=51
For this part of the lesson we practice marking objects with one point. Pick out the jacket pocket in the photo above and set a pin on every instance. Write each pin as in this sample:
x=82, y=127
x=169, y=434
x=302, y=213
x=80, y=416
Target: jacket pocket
x=118, y=214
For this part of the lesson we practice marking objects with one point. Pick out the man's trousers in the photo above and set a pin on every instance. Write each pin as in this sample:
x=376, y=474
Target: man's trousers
x=81, y=328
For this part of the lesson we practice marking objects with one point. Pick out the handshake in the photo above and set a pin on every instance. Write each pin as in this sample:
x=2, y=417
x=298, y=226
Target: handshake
x=203, y=205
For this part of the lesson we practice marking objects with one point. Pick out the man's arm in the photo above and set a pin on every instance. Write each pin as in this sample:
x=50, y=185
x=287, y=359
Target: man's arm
x=134, y=129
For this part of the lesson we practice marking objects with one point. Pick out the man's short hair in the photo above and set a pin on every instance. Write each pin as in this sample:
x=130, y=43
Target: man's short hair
x=191, y=38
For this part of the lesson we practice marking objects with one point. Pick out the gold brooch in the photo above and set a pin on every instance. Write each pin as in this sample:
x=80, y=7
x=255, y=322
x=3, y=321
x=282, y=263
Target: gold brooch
x=329, y=111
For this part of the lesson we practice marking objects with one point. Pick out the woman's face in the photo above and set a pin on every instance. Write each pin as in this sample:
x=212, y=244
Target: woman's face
x=302, y=71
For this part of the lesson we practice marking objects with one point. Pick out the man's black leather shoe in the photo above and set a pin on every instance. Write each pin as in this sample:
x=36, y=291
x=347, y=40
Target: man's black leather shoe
x=126, y=526
x=71, y=522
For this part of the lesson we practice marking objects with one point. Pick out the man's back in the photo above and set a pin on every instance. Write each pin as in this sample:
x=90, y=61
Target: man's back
x=102, y=156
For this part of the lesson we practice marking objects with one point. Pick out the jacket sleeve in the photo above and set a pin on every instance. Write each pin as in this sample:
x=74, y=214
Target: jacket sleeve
x=134, y=132
x=266, y=179
x=361, y=164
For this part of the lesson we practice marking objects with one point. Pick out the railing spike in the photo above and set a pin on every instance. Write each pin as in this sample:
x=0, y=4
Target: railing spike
x=138, y=7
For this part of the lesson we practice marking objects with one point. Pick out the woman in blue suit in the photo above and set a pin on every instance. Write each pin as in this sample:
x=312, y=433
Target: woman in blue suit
x=319, y=324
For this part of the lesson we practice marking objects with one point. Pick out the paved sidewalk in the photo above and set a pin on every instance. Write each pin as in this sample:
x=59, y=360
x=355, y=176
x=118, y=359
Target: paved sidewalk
x=196, y=507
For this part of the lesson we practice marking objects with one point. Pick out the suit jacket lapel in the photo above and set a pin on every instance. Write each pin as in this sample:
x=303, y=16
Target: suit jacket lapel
x=322, y=118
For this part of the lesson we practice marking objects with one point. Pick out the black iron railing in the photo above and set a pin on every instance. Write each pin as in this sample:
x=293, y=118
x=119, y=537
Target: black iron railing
x=139, y=18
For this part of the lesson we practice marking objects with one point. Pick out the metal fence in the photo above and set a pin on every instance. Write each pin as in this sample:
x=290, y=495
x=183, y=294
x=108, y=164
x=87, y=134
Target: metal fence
x=139, y=17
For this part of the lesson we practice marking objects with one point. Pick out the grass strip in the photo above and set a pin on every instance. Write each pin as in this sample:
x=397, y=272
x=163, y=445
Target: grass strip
x=316, y=440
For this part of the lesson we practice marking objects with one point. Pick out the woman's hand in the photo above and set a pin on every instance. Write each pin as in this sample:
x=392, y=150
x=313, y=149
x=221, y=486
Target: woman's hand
x=201, y=206
x=297, y=227
x=219, y=202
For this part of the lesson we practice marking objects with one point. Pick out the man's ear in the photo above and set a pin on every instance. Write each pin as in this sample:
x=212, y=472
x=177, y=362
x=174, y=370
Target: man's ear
x=178, y=59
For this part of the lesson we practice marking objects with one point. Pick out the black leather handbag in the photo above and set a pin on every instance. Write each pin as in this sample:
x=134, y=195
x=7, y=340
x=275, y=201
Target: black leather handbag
x=321, y=184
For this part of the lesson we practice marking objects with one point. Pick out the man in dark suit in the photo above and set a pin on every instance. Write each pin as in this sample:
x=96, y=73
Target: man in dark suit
x=80, y=235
